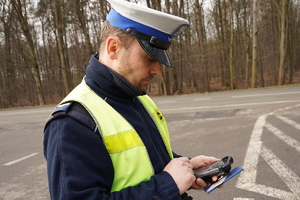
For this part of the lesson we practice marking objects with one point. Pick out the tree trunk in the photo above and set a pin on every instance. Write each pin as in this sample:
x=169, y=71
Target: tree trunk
x=17, y=6
x=290, y=42
x=282, y=49
x=202, y=44
x=247, y=48
x=83, y=25
x=231, y=63
x=254, y=47
x=58, y=21
x=225, y=44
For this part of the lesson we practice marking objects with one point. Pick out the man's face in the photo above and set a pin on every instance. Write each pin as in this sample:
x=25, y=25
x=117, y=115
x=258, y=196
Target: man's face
x=138, y=67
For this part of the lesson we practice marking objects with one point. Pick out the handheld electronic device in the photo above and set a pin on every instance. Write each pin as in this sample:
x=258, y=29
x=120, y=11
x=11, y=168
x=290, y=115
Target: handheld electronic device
x=220, y=168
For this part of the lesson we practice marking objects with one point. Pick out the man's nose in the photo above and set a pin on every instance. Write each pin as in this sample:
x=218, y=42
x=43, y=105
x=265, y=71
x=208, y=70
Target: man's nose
x=156, y=68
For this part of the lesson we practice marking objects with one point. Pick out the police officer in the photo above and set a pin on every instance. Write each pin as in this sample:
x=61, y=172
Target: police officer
x=107, y=139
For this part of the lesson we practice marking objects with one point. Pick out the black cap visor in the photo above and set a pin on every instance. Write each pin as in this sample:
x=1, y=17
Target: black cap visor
x=153, y=46
x=161, y=55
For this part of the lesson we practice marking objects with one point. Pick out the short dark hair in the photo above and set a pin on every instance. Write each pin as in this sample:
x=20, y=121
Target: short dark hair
x=108, y=30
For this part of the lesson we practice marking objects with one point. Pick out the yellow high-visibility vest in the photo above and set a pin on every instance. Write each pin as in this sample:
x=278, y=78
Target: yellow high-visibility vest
x=128, y=153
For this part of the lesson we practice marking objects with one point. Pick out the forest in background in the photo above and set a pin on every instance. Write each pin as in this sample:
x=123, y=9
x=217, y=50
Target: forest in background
x=45, y=46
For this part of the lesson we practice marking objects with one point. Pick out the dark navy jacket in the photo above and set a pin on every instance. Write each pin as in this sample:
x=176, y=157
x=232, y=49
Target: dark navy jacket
x=78, y=164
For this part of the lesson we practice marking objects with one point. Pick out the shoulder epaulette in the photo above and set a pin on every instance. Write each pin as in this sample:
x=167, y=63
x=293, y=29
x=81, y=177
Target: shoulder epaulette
x=63, y=107
x=76, y=111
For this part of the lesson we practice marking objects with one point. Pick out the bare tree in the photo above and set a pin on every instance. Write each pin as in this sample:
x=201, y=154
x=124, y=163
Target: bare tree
x=57, y=13
x=213, y=54
x=81, y=15
x=202, y=45
x=224, y=30
x=282, y=47
x=231, y=57
x=20, y=9
x=254, y=45
x=246, y=45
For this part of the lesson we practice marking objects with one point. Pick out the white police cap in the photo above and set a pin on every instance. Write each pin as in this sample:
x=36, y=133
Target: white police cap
x=153, y=29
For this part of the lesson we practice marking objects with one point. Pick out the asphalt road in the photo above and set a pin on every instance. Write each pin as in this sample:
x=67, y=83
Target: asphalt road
x=259, y=128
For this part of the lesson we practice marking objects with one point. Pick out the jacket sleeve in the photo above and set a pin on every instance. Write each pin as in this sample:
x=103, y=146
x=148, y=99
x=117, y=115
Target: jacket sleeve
x=79, y=167
x=176, y=155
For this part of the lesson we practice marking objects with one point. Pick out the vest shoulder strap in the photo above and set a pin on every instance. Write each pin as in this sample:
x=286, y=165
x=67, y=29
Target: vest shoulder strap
x=76, y=111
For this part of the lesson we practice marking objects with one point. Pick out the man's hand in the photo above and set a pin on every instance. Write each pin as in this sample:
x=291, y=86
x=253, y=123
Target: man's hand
x=182, y=172
x=199, y=161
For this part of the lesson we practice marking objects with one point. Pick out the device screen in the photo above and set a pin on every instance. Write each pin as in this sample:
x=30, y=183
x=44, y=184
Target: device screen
x=204, y=168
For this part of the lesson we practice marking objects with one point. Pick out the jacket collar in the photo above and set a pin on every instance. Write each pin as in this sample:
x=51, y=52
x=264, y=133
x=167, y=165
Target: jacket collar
x=109, y=83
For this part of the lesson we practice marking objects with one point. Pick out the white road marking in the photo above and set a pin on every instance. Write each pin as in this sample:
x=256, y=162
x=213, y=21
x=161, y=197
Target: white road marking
x=229, y=105
x=8, y=112
x=289, y=121
x=166, y=102
x=269, y=94
x=201, y=99
x=241, y=198
x=247, y=179
x=285, y=138
x=20, y=159
x=282, y=170
x=250, y=170
x=287, y=108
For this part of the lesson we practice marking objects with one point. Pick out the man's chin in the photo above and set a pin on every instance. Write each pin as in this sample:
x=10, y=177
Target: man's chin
x=143, y=88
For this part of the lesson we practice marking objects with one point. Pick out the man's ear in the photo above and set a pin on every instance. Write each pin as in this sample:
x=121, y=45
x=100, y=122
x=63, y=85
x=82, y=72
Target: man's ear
x=113, y=43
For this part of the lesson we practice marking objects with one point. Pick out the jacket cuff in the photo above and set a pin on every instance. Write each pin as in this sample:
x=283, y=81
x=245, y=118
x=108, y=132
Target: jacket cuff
x=169, y=189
